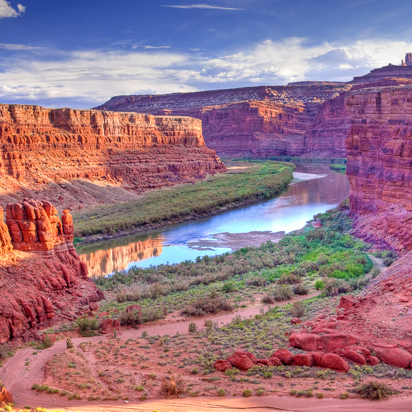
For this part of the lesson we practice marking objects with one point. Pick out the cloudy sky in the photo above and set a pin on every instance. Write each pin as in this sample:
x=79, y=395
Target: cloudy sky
x=79, y=53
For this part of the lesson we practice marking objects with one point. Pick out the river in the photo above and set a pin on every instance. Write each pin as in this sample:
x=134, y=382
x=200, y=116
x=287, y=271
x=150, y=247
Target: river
x=307, y=196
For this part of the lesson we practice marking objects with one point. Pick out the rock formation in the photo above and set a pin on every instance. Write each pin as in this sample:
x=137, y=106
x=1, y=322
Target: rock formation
x=89, y=157
x=379, y=149
x=42, y=279
x=307, y=119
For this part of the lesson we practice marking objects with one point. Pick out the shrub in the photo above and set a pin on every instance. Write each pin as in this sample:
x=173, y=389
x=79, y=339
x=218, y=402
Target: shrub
x=207, y=305
x=388, y=261
x=269, y=299
x=298, y=309
x=246, y=393
x=260, y=392
x=319, y=395
x=4, y=351
x=47, y=342
x=301, y=289
x=374, y=390
x=256, y=281
x=336, y=286
x=221, y=392
x=209, y=324
x=319, y=285
x=69, y=343
x=228, y=287
x=344, y=395
x=375, y=272
x=283, y=292
x=172, y=386
x=86, y=324
x=290, y=279
x=192, y=327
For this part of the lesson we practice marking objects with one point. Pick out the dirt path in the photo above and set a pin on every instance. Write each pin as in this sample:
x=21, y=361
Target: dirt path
x=18, y=379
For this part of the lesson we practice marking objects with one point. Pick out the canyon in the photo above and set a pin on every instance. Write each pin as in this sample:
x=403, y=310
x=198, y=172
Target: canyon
x=83, y=158
x=303, y=119
x=43, y=282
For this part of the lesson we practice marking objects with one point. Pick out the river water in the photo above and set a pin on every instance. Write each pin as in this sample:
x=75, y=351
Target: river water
x=306, y=197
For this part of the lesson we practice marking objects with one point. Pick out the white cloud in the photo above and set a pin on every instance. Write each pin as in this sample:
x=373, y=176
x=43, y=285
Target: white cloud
x=92, y=77
x=6, y=46
x=202, y=6
x=157, y=47
x=7, y=11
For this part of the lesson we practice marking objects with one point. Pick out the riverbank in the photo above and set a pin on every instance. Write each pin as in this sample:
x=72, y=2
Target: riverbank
x=245, y=183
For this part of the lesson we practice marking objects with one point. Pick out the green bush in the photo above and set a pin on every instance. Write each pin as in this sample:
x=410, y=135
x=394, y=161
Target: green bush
x=374, y=390
x=192, y=327
x=319, y=285
x=86, y=324
x=246, y=393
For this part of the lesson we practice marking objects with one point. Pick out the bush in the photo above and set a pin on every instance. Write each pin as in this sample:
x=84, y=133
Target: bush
x=374, y=390
x=256, y=281
x=301, y=289
x=290, y=279
x=298, y=309
x=47, y=342
x=86, y=324
x=69, y=343
x=221, y=392
x=192, y=327
x=283, y=292
x=319, y=395
x=375, y=272
x=209, y=324
x=336, y=286
x=246, y=393
x=228, y=287
x=388, y=261
x=319, y=285
x=269, y=299
x=4, y=351
x=172, y=386
x=207, y=305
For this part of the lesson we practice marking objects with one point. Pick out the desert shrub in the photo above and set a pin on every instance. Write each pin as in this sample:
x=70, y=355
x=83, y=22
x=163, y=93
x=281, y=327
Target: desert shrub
x=301, y=289
x=268, y=298
x=319, y=285
x=298, y=309
x=388, y=261
x=336, y=286
x=246, y=393
x=228, y=287
x=152, y=314
x=374, y=390
x=172, y=386
x=47, y=342
x=192, y=327
x=344, y=395
x=206, y=305
x=209, y=324
x=283, y=292
x=290, y=279
x=69, y=343
x=4, y=351
x=86, y=324
x=256, y=281
x=375, y=272
x=221, y=392
x=320, y=395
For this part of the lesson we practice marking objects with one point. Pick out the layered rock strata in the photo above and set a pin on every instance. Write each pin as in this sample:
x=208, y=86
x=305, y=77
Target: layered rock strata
x=42, y=280
x=87, y=157
x=249, y=122
x=307, y=119
x=379, y=164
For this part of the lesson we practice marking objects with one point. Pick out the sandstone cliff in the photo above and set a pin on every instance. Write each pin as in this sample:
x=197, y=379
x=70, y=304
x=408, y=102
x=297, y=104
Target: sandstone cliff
x=42, y=279
x=307, y=119
x=379, y=149
x=89, y=157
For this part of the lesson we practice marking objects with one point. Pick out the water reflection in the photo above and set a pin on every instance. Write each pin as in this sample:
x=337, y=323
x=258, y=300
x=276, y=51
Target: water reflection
x=289, y=211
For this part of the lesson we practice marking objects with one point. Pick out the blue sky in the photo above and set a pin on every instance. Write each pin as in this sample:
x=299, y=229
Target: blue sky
x=79, y=53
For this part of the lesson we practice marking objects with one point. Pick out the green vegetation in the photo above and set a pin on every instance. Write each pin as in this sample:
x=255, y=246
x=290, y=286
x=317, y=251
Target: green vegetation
x=374, y=391
x=338, y=168
x=258, y=181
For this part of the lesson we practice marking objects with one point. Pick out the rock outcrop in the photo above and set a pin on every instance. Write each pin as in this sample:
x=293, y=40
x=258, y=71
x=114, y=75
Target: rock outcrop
x=379, y=168
x=88, y=157
x=42, y=279
x=307, y=119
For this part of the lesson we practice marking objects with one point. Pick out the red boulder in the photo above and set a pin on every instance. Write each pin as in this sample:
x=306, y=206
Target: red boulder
x=295, y=321
x=317, y=358
x=395, y=357
x=305, y=341
x=304, y=359
x=284, y=355
x=251, y=356
x=222, y=365
x=373, y=360
x=265, y=362
x=355, y=357
x=276, y=361
x=337, y=341
x=241, y=362
x=331, y=361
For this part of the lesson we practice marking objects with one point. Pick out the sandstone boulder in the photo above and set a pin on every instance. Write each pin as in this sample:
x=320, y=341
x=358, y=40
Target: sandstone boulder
x=355, y=357
x=222, y=365
x=373, y=360
x=265, y=362
x=317, y=358
x=5, y=395
x=335, y=362
x=276, y=361
x=304, y=359
x=241, y=362
x=395, y=357
x=305, y=341
x=251, y=356
x=347, y=302
x=337, y=341
x=284, y=356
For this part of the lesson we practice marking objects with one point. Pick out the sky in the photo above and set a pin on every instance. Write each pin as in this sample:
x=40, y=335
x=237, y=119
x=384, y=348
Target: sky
x=79, y=53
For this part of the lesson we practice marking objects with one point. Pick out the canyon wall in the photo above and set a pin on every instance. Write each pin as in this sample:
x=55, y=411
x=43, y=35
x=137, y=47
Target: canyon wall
x=250, y=122
x=89, y=157
x=42, y=279
x=306, y=119
x=379, y=164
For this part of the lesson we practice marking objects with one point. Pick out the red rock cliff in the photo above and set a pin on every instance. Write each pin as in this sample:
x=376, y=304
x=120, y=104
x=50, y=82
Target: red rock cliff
x=91, y=157
x=379, y=164
x=42, y=279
